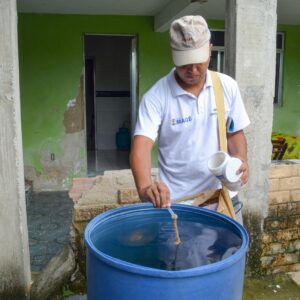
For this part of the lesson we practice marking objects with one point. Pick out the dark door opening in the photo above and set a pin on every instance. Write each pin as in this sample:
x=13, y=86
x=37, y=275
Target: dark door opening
x=90, y=106
x=110, y=94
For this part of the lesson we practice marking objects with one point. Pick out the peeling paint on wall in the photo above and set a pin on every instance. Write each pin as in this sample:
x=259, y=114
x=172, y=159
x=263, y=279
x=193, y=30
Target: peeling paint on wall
x=74, y=115
x=62, y=159
x=57, y=174
x=71, y=103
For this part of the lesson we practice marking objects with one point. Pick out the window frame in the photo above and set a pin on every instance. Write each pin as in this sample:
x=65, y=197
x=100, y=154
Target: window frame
x=278, y=101
x=219, y=49
x=278, y=86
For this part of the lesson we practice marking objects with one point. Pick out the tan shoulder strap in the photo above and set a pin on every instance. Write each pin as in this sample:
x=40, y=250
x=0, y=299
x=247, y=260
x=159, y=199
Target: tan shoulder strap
x=219, y=98
x=225, y=204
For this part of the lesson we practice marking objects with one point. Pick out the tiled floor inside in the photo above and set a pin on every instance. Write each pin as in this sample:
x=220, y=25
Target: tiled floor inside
x=49, y=220
x=101, y=160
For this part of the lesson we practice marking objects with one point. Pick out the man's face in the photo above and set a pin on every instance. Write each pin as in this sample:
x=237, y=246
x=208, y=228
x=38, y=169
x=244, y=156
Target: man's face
x=193, y=74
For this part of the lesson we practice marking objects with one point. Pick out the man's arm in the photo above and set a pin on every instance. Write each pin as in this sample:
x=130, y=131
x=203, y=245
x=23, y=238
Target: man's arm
x=140, y=161
x=237, y=147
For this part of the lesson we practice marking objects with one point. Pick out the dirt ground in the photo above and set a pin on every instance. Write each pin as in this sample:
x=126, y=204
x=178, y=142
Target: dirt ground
x=271, y=288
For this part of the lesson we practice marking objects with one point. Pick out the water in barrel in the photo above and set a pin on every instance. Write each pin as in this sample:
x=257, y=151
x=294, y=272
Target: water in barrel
x=151, y=241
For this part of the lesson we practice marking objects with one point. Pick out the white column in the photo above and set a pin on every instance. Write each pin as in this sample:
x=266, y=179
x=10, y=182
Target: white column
x=14, y=249
x=250, y=59
x=251, y=50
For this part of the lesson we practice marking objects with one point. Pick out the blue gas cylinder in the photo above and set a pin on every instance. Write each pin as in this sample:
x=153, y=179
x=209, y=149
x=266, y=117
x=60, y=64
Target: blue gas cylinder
x=123, y=138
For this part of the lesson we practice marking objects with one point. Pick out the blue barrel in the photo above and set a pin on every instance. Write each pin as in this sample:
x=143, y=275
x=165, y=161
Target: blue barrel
x=112, y=278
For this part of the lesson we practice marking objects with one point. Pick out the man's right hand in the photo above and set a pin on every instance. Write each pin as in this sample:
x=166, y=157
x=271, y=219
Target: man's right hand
x=158, y=193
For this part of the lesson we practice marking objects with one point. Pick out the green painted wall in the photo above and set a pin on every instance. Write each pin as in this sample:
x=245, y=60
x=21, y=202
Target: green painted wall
x=287, y=116
x=51, y=64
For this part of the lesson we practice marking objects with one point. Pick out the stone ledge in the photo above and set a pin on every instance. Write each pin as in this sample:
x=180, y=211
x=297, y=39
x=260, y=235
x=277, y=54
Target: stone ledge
x=128, y=196
x=111, y=188
x=279, y=197
x=273, y=224
x=286, y=259
x=289, y=183
x=283, y=269
x=295, y=195
x=84, y=213
x=274, y=184
x=284, y=170
x=281, y=235
x=280, y=247
x=284, y=210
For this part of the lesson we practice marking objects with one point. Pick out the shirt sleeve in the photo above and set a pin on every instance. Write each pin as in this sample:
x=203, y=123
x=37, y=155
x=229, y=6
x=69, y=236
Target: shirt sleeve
x=149, y=117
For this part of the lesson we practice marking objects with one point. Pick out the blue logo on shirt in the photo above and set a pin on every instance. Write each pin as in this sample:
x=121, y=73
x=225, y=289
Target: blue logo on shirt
x=181, y=120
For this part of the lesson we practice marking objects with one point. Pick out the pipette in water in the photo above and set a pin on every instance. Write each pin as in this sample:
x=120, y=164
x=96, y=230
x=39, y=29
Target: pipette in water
x=174, y=216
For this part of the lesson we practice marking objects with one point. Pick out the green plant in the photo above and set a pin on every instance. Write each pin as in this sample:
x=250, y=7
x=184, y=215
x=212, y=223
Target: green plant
x=66, y=292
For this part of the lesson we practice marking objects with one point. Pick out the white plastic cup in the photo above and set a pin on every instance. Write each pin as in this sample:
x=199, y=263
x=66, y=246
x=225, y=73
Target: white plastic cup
x=217, y=163
x=232, y=179
x=225, y=169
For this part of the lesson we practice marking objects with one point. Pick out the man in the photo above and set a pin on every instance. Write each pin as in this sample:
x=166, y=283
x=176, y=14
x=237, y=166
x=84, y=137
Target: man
x=180, y=111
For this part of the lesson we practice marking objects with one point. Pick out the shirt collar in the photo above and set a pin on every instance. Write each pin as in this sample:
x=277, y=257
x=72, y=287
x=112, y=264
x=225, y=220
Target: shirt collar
x=177, y=90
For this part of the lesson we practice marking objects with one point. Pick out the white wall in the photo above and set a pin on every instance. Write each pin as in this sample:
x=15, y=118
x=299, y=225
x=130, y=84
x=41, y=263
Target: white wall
x=112, y=112
x=112, y=65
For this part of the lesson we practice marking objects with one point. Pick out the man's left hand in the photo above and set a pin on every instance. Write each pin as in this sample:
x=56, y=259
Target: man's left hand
x=244, y=170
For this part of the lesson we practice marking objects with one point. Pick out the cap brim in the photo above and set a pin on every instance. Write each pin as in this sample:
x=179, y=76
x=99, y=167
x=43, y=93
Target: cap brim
x=193, y=56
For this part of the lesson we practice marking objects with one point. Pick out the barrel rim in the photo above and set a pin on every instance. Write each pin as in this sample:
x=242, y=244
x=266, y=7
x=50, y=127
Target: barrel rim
x=147, y=271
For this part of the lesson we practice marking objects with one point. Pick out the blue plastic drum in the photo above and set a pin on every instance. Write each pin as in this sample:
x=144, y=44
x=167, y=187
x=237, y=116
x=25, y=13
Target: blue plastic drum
x=132, y=254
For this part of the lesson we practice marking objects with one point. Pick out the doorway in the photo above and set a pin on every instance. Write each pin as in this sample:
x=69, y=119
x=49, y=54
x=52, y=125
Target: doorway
x=110, y=106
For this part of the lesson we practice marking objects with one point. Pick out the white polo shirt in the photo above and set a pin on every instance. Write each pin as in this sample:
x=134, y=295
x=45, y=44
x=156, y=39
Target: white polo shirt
x=187, y=132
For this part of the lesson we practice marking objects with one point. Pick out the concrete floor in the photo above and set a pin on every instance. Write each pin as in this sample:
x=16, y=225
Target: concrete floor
x=49, y=219
x=49, y=214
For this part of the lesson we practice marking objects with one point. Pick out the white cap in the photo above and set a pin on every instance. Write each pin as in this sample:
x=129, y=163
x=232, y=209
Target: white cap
x=190, y=38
